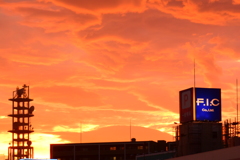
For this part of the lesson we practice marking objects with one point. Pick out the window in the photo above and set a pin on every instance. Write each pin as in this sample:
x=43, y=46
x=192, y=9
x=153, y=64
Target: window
x=84, y=149
x=113, y=148
x=140, y=147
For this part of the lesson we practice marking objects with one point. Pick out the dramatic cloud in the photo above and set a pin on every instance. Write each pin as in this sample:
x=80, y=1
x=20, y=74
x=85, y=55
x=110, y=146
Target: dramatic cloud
x=102, y=6
x=99, y=64
x=213, y=12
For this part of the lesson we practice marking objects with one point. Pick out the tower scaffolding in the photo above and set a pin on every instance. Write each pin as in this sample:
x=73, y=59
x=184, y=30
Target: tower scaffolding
x=21, y=127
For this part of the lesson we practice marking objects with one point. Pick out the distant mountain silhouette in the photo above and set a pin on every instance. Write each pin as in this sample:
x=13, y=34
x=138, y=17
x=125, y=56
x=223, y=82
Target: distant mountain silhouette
x=116, y=134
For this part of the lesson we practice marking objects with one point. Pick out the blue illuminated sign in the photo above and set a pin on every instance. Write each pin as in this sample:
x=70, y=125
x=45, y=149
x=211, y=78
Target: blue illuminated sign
x=208, y=104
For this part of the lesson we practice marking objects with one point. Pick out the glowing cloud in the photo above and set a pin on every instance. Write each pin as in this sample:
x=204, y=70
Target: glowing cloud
x=103, y=63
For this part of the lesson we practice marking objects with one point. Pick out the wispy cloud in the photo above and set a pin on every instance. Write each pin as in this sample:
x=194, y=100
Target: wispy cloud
x=104, y=63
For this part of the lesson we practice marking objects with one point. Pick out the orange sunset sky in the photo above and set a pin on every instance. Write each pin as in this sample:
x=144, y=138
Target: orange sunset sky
x=104, y=63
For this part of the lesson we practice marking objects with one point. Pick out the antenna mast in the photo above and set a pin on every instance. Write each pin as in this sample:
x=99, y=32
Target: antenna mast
x=237, y=103
x=81, y=132
x=130, y=129
x=194, y=75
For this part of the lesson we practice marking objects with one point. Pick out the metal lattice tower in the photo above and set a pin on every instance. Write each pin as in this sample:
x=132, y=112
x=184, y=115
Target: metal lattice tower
x=21, y=127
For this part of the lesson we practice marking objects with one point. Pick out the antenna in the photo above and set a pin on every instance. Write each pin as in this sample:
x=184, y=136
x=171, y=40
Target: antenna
x=237, y=102
x=80, y=132
x=194, y=85
x=130, y=130
x=194, y=74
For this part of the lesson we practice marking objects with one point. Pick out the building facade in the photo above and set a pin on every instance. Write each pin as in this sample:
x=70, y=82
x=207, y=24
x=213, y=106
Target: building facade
x=199, y=137
x=106, y=150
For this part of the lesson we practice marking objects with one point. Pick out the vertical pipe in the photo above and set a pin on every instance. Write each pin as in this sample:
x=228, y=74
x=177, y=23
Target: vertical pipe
x=12, y=123
x=18, y=142
x=28, y=93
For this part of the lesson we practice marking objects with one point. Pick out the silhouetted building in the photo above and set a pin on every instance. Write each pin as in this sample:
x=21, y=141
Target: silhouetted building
x=21, y=127
x=200, y=114
x=171, y=146
x=199, y=137
x=105, y=150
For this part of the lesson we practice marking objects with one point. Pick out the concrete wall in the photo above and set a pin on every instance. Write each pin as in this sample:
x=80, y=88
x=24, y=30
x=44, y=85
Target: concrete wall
x=199, y=137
